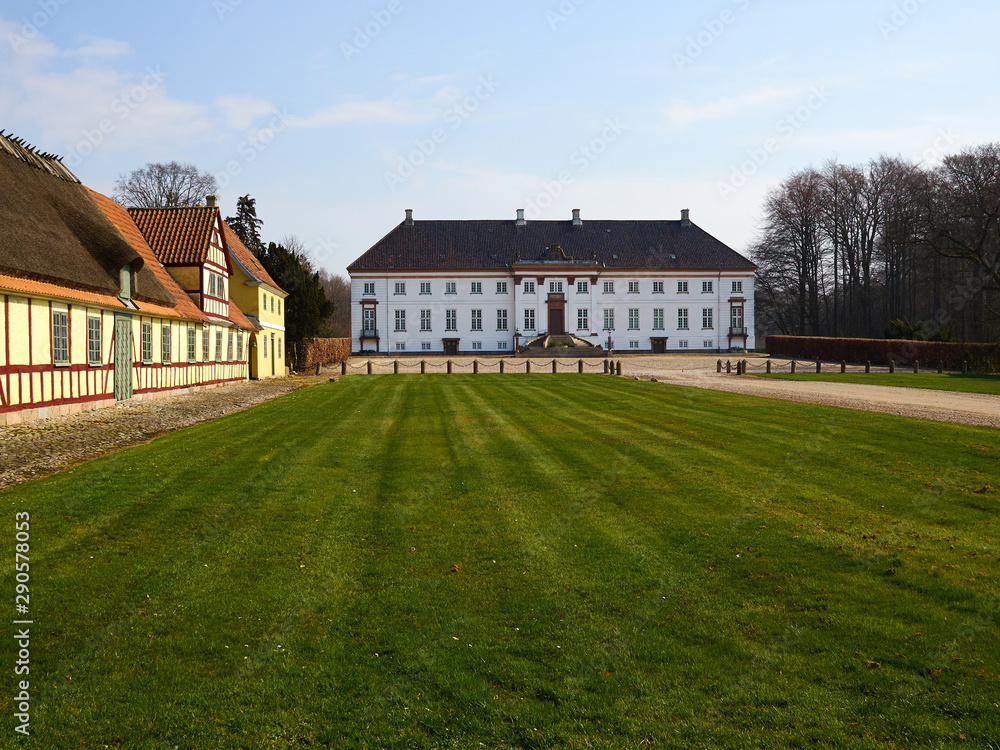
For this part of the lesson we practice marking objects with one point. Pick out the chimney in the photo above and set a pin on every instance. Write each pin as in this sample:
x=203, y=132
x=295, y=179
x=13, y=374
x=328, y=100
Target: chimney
x=210, y=201
x=409, y=217
x=520, y=217
x=686, y=217
x=576, y=218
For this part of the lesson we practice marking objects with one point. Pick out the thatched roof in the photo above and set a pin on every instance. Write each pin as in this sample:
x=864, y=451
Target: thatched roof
x=51, y=229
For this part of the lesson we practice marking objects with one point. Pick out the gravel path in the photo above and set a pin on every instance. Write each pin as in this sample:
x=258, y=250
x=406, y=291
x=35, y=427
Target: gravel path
x=36, y=449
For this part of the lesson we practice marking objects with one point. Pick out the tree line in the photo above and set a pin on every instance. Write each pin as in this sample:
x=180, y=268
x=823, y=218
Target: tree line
x=890, y=248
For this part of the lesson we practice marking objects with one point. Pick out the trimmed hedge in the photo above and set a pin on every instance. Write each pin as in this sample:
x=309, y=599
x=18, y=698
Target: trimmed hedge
x=324, y=351
x=981, y=357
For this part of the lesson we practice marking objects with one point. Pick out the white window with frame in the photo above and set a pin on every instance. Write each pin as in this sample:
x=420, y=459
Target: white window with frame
x=682, y=287
x=369, y=289
x=211, y=284
x=633, y=287
x=400, y=346
x=682, y=344
x=272, y=303
x=609, y=319
x=146, y=336
x=583, y=319
x=633, y=344
x=529, y=287
x=657, y=318
x=425, y=320
x=279, y=305
x=239, y=346
x=582, y=287
x=401, y=287
x=229, y=347
x=264, y=338
x=451, y=320
x=633, y=319
x=501, y=287
x=502, y=345
x=682, y=319
x=205, y=343
x=657, y=287
x=425, y=346
x=192, y=345
x=477, y=287
x=609, y=287
x=401, y=320
x=737, y=287
x=707, y=322
x=451, y=287
x=94, y=339
x=218, y=345
x=555, y=287
x=708, y=344
x=165, y=342
x=529, y=320
x=501, y=320
x=368, y=320
x=706, y=287
x=477, y=346
x=60, y=337
x=425, y=287
x=477, y=320
x=737, y=315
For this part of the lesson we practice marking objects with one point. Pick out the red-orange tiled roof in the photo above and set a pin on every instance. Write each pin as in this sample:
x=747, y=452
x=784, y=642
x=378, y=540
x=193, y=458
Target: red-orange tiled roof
x=185, y=307
x=179, y=236
x=238, y=318
x=247, y=258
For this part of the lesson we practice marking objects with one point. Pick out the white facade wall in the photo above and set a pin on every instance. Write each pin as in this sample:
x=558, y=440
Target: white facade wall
x=464, y=300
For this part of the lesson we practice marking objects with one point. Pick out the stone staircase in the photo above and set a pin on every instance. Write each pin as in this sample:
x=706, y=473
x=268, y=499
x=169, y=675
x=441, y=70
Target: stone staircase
x=555, y=341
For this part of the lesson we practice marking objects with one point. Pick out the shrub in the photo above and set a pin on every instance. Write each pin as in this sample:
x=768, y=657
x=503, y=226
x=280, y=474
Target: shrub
x=981, y=357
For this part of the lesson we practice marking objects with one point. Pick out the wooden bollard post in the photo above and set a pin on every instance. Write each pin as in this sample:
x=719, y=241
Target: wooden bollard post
x=718, y=366
x=868, y=367
x=580, y=368
x=819, y=367
x=605, y=367
x=423, y=367
x=940, y=367
x=475, y=367
x=729, y=367
x=892, y=367
x=318, y=365
x=554, y=370
x=843, y=367
x=744, y=367
x=619, y=368
x=916, y=367
x=449, y=367
x=343, y=367
x=501, y=367
x=395, y=367
x=793, y=367
x=768, y=367
x=369, y=367
x=527, y=367
x=965, y=367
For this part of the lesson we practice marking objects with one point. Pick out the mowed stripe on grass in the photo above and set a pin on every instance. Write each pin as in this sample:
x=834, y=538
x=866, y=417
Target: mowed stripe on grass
x=522, y=561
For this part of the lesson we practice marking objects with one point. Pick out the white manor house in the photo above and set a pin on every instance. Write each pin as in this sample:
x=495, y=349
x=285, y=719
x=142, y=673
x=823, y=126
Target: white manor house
x=470, y=287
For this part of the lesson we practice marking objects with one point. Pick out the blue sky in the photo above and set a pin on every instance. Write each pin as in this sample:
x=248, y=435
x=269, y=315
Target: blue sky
x=337, y=117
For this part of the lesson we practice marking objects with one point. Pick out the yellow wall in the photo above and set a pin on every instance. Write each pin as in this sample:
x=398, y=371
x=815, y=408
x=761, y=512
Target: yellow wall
x=257, y=301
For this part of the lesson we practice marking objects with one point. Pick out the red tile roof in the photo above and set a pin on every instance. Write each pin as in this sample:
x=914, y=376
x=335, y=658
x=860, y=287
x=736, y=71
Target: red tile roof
x=180, y=236
x=185, y=306
x=246, y=258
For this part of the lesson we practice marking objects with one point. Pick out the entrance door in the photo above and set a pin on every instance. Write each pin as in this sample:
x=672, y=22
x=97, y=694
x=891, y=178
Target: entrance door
x=272, y=355
x=659, y=346
x=557, y=321
x=737, y=320
x=123, y=357
x=450, y=347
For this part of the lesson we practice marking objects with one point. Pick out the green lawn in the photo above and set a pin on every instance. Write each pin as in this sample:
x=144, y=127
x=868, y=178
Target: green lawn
x=518, y=562
x=945, y=382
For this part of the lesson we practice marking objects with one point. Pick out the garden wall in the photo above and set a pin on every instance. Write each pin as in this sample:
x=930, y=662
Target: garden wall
x=322, y=351
x=981, y=357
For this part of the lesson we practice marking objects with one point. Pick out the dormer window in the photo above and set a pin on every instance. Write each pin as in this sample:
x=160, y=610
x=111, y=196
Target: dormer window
x=126, y=283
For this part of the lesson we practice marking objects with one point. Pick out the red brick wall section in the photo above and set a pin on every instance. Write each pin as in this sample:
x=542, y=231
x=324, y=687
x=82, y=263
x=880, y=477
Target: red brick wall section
x=981, y=357
x=324, y=351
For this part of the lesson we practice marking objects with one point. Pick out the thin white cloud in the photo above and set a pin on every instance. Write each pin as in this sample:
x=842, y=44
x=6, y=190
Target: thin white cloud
x=242, y=111
x=97, y=47
x=393, y=111
x=683, y=114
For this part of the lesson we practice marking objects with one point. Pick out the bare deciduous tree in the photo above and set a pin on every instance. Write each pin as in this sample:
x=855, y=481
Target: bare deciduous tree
x=338, y=291
x=165, y=185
